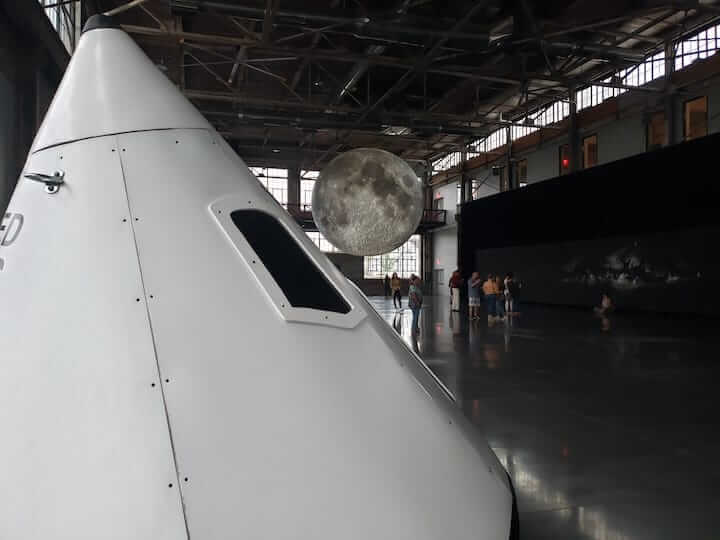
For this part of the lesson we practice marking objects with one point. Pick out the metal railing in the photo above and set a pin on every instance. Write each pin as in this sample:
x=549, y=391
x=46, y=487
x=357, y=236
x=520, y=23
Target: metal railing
x=433, y=218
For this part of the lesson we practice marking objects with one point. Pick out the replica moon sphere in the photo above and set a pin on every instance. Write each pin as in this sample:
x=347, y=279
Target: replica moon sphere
x=367, y=202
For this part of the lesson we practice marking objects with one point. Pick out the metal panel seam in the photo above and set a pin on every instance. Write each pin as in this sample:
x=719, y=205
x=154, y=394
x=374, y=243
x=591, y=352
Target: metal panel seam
x=62, y=143
x=152, y=335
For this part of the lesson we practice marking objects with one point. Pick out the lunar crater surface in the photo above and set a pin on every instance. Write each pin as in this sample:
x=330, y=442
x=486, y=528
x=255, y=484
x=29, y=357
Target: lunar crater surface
x=367, y=202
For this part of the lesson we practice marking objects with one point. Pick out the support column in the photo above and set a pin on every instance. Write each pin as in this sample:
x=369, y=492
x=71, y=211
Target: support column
x=293, y=187
x=464, y=192
x=573, y=132
x=509, y=162
x=671, y=124
x=426, y=270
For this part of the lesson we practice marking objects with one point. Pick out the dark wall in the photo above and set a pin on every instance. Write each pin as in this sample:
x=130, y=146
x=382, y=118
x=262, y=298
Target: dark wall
x=674, y=271
x=350, y=265
x=353, y=268
x=32, y=61
x=644, y=229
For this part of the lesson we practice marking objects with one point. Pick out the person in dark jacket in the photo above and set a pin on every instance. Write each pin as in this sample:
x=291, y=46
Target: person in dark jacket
x=415, y=299
x=455, y=283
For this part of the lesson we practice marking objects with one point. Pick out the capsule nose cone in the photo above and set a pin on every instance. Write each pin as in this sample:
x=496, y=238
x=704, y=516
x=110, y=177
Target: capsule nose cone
x=111, y=86
x=99, y=21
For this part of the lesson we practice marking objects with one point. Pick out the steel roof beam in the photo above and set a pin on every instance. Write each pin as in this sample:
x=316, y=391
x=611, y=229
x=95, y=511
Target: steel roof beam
x=420, y=65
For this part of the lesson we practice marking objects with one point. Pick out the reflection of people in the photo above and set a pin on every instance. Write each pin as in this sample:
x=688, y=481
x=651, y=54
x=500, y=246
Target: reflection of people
x=603, y=310
x=508, y=333
x=604, y=323
x=500, y=297
x=415, y=299
x=386, y=283
x=414, y=344
x=474, y=292
x=397, y=323
x=397, y=297
x=454, y=323
x=454, y=284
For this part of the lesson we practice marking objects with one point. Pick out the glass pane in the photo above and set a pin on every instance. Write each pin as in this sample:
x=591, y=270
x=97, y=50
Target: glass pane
x=404, y=260
x=302, y=282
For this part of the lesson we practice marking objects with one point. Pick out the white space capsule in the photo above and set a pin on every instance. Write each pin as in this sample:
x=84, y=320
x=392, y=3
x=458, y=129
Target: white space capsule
x=178, y=360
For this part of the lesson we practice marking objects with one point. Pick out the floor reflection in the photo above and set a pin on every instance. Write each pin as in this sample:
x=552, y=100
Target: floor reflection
x=608, y=427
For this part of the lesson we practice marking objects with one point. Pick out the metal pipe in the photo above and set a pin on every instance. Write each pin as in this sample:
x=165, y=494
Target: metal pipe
x=124, y=7
x=626, y=54
x=60, y=3
x=260, y=12
x=365, y=21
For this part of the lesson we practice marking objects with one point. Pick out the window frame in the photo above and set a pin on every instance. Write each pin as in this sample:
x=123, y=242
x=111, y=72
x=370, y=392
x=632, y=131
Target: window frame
x=685, y=120
x=373, y=264
x=649, y=127
x=221, y=211
x=267, y=176
x=584, y=153
x=307, y=177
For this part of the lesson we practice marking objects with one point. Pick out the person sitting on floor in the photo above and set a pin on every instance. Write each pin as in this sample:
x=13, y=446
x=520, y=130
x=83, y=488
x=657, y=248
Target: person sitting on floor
x=606, y=305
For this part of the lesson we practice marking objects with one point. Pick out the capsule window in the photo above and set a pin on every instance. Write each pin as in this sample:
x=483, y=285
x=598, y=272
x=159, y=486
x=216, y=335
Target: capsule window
x=299, y=278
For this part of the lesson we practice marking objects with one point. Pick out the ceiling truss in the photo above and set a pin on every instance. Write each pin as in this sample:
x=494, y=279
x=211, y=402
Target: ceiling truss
x=312, y=78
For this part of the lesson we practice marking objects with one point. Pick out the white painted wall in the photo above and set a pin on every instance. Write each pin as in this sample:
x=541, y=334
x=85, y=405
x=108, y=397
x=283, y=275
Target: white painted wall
x=619, y=139
x=543, y=161
x=448, y=193
x=444, y=240
x=490, y=184
x=444, y=256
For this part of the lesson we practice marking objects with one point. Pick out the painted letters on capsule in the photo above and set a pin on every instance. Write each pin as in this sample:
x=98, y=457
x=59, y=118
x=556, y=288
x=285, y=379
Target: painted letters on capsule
x=10, y=227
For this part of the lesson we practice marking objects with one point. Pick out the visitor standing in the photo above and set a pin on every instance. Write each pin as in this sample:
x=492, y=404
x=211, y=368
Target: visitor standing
x=455, y=284
x=500, y=298
x=474, y=294
x=395, y=283
x=415, y=299
x=509, y=290
x=490, y=299
x=386, y=282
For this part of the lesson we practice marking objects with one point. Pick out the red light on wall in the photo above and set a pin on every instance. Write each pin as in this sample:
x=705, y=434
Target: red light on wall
x=565, y=163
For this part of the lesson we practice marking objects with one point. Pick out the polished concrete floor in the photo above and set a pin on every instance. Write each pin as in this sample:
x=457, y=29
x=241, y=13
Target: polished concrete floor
x=609, y=429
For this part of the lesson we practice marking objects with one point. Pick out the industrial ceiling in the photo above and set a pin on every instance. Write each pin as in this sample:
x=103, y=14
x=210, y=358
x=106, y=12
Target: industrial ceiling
x=297, y=81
